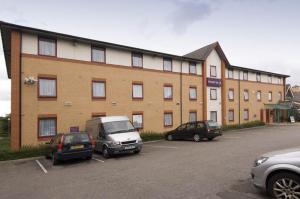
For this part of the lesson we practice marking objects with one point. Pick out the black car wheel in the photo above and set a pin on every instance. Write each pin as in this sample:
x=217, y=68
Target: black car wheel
x=54, y=159
x=210, y=139
x=197, y=138
x=88, y=157
x=105, y=152
x=284, y=185
x=170, y=137
x=137, y=151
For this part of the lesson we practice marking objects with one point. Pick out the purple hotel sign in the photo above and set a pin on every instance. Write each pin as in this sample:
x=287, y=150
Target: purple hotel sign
x=74, y=129
x=212, y=82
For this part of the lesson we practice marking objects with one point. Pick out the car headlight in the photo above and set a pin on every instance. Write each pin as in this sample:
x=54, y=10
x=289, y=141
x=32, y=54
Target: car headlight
x=260, y=161
x=116, y=143
x=139, y=140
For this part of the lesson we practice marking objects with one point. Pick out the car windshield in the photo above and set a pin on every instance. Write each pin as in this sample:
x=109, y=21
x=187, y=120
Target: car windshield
x=76, y=138
x=117, y=127
x=212, y=124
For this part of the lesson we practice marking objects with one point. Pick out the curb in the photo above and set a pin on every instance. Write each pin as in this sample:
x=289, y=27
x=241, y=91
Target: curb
x=20, y=160
x=256, y=127
x=153, y=141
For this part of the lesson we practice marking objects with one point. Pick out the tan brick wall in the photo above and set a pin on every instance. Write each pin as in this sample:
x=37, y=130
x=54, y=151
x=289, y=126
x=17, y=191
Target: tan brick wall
x=74, y=85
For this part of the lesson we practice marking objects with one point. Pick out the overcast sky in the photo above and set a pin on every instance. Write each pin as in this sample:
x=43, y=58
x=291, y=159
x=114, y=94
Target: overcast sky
x=260, y=34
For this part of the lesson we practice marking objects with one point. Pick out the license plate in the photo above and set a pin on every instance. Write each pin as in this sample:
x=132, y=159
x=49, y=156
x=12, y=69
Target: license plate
x=77, y=147
x=129, y=147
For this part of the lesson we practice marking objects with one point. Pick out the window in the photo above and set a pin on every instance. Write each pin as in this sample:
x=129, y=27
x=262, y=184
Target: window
x=47, y=47
x=270, y=96
x=168, y=119
x=231, y=94
x=168, y=92
x=231, y=115
x=213, y=71
x=193, y=93
x=246, y=95
x=193, y=116
x=258, y=95
x=258, y=77
x=213, y=94
x=269, y=78
x=47, y=126
x=47, y=87
x=245, y=75
x=137, y=120
x=167, y=64
x=98, y=89
x=213, y=116
x=137, y=60
x=94, y=115
x=279, y=96
x=98, y=54
x=279, y=80
x=246, y=114
x=137, y=90
x=230, y=73
x=192, y=68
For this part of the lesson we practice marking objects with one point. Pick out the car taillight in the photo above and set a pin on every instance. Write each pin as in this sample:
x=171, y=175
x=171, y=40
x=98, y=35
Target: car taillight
x=208, y=130
x=60, y=144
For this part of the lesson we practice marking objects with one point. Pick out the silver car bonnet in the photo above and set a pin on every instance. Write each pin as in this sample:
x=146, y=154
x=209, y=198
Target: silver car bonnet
x=292, y=152
x=122, y=137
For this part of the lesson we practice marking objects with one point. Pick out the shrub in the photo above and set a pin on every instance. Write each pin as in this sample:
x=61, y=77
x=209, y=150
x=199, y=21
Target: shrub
x=244, y=125
x=151, y=135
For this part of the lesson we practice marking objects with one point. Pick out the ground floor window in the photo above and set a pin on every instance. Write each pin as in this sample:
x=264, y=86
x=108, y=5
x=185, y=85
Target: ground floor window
x=193, y=116
x=168, y=118
x=47, y=126
x=213, y=116
x=137, y=120
x=246, y=114
x=231, y=115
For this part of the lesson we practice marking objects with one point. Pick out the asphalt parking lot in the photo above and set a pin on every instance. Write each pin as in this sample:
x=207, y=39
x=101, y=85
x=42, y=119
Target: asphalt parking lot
x=179, y=169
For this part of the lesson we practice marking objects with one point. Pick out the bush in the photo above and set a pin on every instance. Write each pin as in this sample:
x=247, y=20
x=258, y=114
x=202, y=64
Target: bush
x=24, y=152
x=241, y=126
x=151, y=135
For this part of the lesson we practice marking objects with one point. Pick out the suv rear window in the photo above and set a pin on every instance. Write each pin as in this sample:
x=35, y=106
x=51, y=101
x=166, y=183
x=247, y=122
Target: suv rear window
x=76, y=138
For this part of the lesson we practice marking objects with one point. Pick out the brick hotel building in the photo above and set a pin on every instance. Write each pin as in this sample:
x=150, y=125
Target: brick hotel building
x=59, y=81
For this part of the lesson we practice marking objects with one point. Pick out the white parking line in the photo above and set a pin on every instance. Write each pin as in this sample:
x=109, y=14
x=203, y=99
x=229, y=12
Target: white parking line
x=232, y=137
x=41, y=166
x=157, y=146
x=98, y=160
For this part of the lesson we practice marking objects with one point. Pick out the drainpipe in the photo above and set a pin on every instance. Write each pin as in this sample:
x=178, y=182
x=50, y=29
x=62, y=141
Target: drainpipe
x=181, y=92
x=239, y=85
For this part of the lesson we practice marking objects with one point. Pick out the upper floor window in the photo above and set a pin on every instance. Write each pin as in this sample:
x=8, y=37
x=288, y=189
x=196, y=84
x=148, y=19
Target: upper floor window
x=98, y=54
x=279, y=80
x=137, y=60
x=258, y=95
x=167, y=64
x=258, y=77
x=98, y=89
x=193, y=93
x=213, y=71
x=47, y=87
x=270, y=96
x=246, y=95
x=47, y=46
x=245, y=75
x=192, y=68
x=168, y=91
x=230, y=73
x=279, y=96
x=231, y=94
x=47, y=126
x=137, y=120
x=137, y=90
x=213, y=94
x=269, y=78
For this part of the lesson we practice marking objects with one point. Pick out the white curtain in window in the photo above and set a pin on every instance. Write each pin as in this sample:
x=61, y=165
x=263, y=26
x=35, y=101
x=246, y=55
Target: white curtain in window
x=98, y=55
x=193, y=117
x=137, y=121
x=245, y=75
x=213, y=71
x=47, y=47
x=137, y=60
x=137, y=91
x=193, y=68
x=213, y=116
x=98, y=89
x=258, y=95
x=230, y=115
x=47, y=127
x=270, y=96
x=167, y=92
x=167, y=65
x=168, y=119
x=246, y=95
x=47, y=87
x=230, y=94
x=230, y=73
x=193, y=93
x=213, y=93
x=246, y=115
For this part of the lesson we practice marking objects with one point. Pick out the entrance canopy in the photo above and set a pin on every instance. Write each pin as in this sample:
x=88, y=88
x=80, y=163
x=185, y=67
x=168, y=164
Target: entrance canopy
x=279, y=106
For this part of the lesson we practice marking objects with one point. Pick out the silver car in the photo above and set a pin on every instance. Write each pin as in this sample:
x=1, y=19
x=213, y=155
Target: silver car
x=278, y=173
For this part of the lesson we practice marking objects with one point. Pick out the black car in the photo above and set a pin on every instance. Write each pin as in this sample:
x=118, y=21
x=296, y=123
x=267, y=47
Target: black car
x=195, y=131
x=70, y=146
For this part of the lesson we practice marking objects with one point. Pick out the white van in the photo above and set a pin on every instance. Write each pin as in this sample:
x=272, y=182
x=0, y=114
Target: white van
x=114, y=135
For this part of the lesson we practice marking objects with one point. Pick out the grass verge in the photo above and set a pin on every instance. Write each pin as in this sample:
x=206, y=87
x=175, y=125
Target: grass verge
x=242, y=126
x=151, y=136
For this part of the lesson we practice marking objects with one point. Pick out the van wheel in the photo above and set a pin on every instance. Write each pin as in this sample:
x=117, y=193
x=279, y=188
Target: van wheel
x=284, y=185
x=196, y=138
x=54, y=159
x=170, y=137
x=105, y=152
x=210, y=139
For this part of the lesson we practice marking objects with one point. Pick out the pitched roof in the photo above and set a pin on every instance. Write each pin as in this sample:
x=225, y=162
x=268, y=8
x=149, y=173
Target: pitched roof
x=203, y=53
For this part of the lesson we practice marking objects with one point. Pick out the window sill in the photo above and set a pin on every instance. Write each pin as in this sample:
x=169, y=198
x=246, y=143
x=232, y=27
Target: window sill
x=98, y=98
x=47, y=98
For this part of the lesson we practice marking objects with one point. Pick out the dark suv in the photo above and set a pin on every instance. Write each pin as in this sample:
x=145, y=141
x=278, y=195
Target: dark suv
x=195, y=131
x=70, y=146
